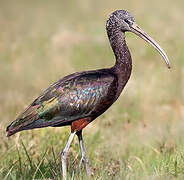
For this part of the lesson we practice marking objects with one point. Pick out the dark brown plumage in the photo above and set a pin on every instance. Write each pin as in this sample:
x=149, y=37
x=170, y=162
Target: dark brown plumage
x=79, y=98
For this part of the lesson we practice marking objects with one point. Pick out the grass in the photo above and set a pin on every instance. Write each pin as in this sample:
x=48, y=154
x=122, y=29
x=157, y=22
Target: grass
x=140, y=136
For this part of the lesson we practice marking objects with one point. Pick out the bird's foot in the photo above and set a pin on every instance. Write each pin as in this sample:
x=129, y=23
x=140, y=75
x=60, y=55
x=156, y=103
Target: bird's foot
x=84, y=160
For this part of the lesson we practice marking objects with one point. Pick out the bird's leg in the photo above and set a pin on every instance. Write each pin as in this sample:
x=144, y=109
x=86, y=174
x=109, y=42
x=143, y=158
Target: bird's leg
x=84, y=158
x=64, y=154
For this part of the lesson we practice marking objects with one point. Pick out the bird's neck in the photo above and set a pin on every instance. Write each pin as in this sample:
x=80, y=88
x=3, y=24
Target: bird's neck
x=123, y=65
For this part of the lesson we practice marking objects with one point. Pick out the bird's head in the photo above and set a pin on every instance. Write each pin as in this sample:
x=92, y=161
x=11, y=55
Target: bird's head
x=122, y=20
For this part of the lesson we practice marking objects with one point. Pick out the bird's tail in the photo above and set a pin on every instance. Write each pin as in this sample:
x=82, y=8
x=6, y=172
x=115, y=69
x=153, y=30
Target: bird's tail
x=26, y=118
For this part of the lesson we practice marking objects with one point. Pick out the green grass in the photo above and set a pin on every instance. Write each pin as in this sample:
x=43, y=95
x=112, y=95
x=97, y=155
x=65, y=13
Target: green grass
x=140, y=136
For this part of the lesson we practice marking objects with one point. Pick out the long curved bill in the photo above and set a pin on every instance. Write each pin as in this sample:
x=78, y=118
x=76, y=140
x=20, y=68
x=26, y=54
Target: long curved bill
x=138, y=31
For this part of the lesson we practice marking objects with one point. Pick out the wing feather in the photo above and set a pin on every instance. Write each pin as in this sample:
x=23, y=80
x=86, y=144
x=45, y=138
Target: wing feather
x=65, y=101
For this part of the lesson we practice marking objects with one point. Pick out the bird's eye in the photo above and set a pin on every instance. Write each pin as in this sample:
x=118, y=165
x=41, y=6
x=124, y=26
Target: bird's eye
x=127, y=21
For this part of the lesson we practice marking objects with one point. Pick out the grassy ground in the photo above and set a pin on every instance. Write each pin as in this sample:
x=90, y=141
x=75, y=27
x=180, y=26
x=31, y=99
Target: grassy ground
x=141, y=136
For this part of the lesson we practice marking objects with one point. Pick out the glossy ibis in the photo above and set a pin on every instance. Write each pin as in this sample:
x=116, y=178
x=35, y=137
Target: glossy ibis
x=79, y=98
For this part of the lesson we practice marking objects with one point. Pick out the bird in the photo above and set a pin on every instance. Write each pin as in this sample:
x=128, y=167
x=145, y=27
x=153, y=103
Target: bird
x=79, y=98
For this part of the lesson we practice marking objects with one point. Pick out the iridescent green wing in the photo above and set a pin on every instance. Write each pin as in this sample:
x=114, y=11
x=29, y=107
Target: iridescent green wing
x=73, y=99
x=66, y=101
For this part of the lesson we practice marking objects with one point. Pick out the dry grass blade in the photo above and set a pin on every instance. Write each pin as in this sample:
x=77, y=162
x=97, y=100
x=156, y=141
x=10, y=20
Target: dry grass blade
x=27, y=154
x=38, y=167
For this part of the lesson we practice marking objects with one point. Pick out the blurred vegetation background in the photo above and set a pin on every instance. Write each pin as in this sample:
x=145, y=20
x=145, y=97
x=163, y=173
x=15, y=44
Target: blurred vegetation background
x=140, y=136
